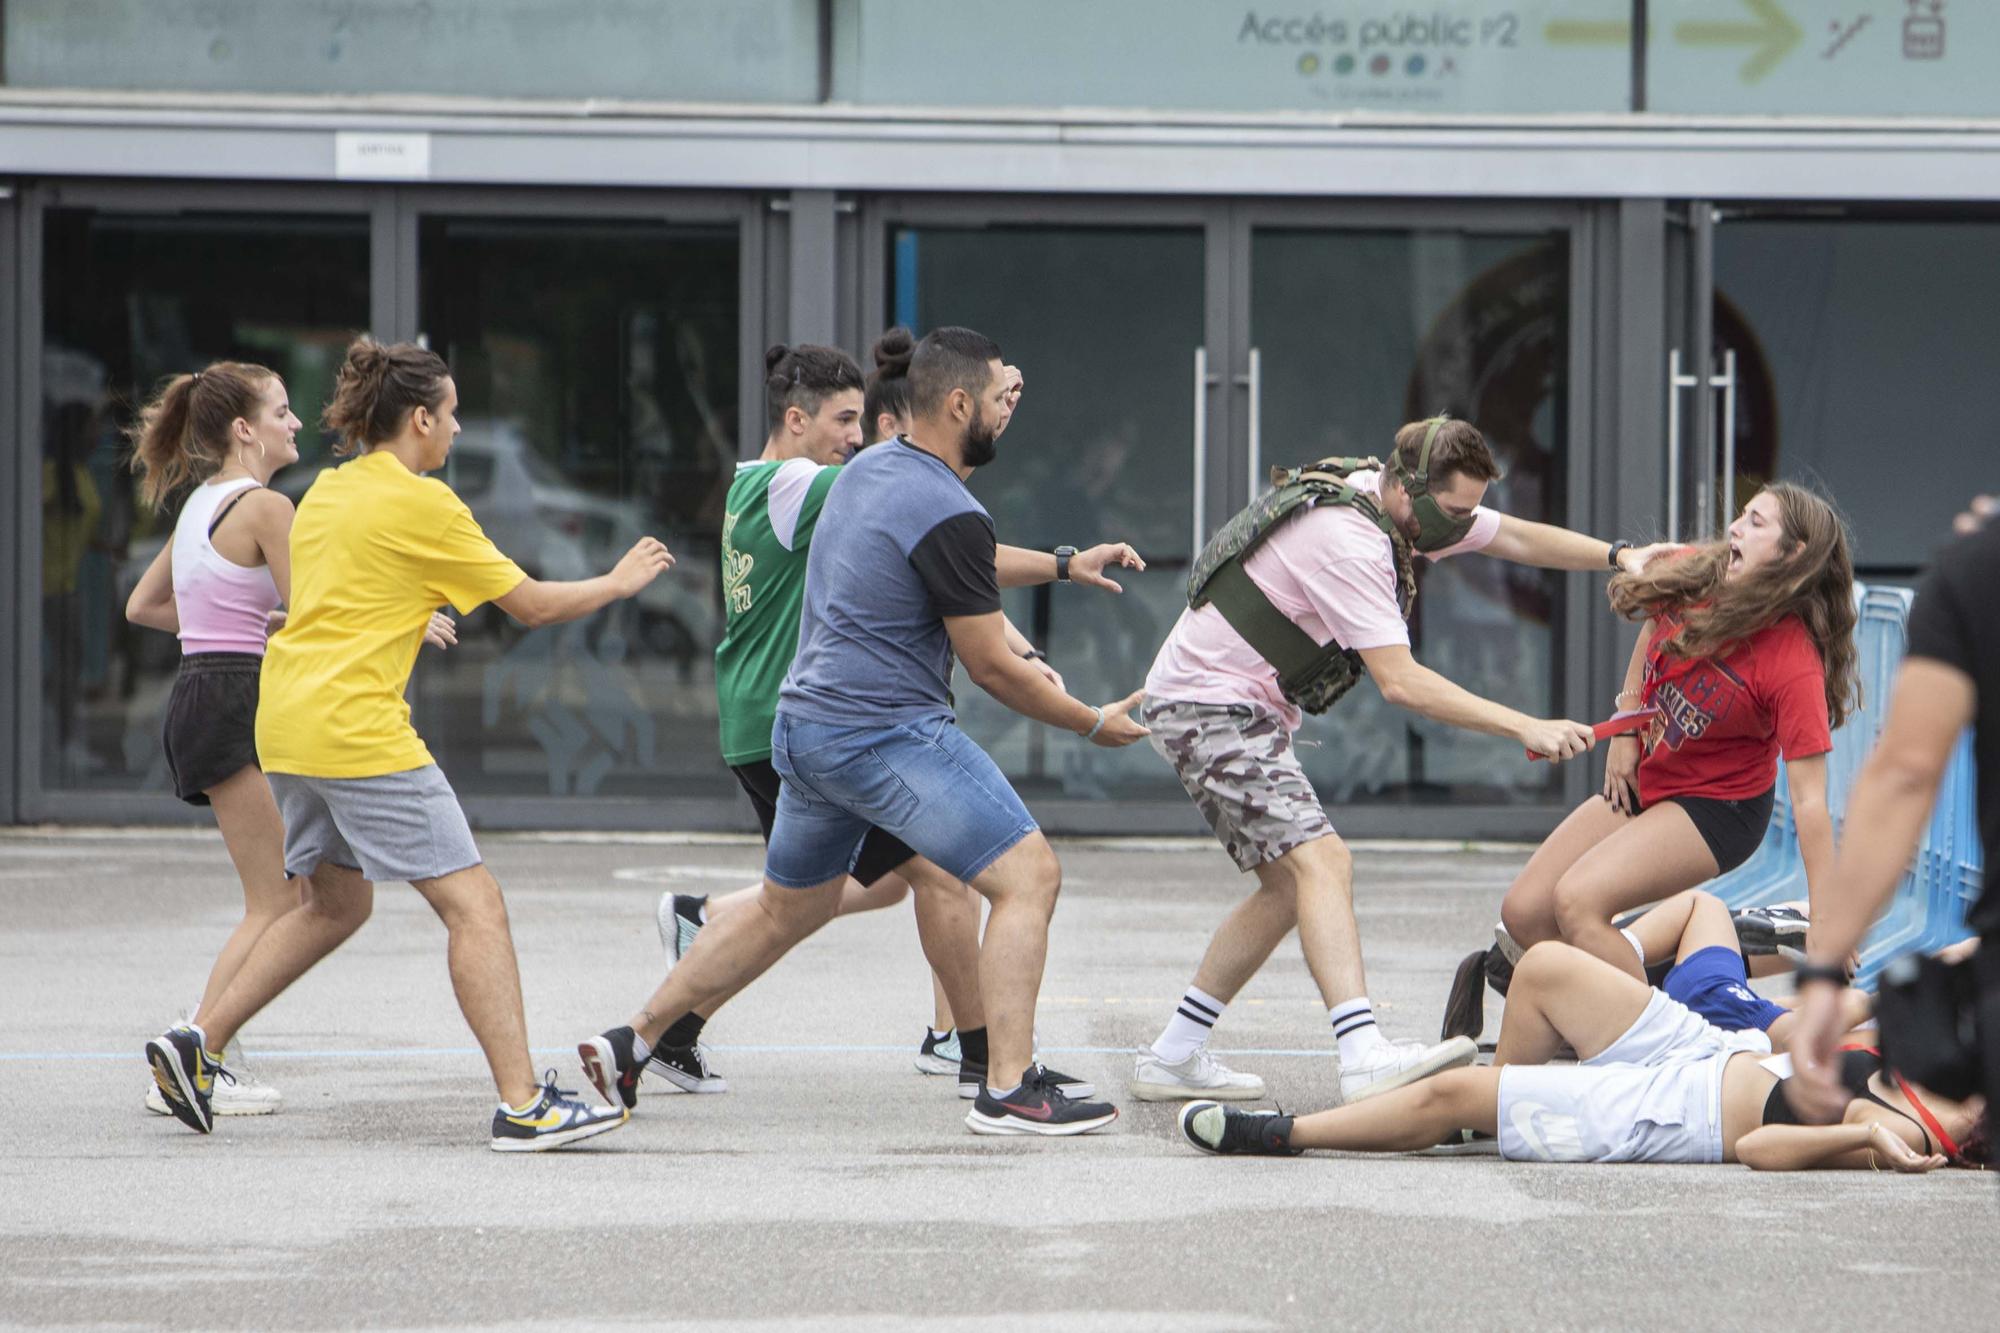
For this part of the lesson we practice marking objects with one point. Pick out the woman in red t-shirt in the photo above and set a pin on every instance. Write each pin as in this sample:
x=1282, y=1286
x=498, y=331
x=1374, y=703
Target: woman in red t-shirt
x=1747, y=654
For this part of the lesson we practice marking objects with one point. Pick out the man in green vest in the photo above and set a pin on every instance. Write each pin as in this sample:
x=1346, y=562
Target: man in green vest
x=1292, y=602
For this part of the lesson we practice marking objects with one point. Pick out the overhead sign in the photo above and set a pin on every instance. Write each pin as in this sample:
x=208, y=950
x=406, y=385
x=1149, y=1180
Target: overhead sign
x=367, y=156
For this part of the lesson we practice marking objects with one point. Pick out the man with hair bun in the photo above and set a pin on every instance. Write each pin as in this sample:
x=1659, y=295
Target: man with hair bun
x=903, y=578
x=1290, y=604
x=377, y=546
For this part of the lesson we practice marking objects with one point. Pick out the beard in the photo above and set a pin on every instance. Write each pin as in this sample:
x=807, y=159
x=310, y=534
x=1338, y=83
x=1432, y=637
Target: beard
x=982, y=442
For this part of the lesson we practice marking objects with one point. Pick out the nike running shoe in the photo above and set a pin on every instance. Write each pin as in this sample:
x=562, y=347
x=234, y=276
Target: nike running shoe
x=939, y=1054
x=612, y=1063
x=1228, y=1130
x=686, y=1067
x=1038, y=1106
x=679, y=918
x=556, y=1120
x=972, y=1078
x=185, y=1074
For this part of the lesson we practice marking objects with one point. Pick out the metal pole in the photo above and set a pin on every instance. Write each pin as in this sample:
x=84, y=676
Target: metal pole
x=1200, y=451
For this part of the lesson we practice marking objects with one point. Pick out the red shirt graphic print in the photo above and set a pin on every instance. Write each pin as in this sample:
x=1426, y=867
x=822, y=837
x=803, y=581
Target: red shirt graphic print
x=1725, y=721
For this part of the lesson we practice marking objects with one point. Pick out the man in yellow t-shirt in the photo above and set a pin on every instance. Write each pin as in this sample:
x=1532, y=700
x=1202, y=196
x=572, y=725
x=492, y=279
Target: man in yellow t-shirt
x=376, y=548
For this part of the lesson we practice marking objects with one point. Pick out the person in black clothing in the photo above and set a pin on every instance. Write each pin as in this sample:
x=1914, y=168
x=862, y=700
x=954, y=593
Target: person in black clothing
x=1950, y=680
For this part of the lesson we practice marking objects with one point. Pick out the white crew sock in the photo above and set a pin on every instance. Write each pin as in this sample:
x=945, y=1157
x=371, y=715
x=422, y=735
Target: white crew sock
x=1354, y=1030
x=1189, y=1027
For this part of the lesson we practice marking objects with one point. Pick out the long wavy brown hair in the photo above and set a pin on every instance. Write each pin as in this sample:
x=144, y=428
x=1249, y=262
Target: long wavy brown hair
x=1812, y=579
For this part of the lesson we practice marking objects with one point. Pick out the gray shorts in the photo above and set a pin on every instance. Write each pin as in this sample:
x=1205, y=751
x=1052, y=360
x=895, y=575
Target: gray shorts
x=1237, y=762
x=400, y=826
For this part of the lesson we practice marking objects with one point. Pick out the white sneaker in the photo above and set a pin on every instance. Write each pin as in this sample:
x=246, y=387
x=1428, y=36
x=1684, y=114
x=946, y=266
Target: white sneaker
x=237, y=1092
x=1200, y=1075
x=1509, y=946
x=1395, y=1063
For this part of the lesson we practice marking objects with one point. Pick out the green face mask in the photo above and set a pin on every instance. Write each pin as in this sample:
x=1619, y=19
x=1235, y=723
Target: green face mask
x=1436, y=529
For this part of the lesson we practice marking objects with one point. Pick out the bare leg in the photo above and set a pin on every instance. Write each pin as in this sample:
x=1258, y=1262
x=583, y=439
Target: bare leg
x=485, y=975
x=1529, y=909
x=1022, y=887
x=254, y=833
x=735, y=949
x=1656, y=853
x=1562, y=995
x=941, y=1012
x=1662, y=928
x=854, y=897
x=1253, y=928
x=332, y=905
x=1405, y=1119
x=948, y=929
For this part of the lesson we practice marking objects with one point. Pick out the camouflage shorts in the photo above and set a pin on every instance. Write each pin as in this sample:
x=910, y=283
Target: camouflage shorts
x=1237, y=762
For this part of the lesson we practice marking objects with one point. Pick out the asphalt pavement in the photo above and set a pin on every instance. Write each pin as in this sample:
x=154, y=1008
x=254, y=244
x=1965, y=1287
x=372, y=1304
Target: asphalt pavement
x=833, y=1187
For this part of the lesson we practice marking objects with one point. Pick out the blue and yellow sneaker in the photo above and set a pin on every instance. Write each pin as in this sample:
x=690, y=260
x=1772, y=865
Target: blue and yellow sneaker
x=556, y=1120
x=185, y=1073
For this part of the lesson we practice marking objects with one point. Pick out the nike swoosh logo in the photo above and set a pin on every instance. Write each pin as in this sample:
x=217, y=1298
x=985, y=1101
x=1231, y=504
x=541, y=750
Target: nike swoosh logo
x=1042, y=1111
x=1530, y=1118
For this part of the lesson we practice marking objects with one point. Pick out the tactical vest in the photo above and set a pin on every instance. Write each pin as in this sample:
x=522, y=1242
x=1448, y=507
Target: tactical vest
x=1311, y=676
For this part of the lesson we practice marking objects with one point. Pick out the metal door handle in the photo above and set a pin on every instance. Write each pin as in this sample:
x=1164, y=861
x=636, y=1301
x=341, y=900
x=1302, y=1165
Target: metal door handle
x=1253, y=382
x=1201, y=383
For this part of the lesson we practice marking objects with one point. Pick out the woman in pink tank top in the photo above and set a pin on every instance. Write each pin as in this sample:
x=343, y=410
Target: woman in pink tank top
x=222, y=434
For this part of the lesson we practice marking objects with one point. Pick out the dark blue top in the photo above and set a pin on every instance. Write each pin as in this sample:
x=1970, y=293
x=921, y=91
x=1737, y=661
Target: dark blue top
x=900, y=545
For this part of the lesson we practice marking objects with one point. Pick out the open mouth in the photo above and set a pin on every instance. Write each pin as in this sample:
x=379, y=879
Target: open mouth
x=1735, y=556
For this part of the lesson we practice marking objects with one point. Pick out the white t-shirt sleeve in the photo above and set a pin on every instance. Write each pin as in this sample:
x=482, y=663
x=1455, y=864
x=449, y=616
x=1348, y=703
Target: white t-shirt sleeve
x=787, y=496
x=1356, y=597
x=1485, y=526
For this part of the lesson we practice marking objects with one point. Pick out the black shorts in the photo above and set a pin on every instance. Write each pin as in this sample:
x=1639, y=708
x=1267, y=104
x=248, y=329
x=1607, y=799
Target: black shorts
x=1732, y=829
x=211, y=729
x=880, y=853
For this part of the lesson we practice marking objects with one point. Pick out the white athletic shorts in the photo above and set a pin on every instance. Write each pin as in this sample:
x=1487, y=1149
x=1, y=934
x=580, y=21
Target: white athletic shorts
x=1654, y=1095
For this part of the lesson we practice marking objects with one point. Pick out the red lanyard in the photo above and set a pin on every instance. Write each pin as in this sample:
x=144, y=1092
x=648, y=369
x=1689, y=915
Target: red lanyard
x=1930, y=1121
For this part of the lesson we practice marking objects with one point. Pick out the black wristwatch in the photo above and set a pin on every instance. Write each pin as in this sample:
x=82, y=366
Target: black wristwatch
x=1616, y=547
x=1063, y=553
x=1807, y=973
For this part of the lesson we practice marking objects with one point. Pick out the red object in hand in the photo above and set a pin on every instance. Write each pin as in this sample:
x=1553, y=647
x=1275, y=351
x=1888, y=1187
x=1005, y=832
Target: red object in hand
x=1618, y=724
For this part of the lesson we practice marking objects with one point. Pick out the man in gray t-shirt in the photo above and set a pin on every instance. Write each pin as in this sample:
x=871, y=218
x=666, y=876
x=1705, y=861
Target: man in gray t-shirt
x=904, y=575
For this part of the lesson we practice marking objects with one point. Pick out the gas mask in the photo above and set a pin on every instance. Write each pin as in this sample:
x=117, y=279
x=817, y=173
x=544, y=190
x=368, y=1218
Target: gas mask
x=1436, y=529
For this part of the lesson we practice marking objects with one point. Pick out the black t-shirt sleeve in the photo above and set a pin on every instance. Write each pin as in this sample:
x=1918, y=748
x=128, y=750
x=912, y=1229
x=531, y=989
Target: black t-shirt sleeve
x=955, y=560
x=1938, y=626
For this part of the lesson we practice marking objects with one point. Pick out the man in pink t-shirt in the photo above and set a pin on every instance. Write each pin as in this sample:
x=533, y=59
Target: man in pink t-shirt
x=1218, y=715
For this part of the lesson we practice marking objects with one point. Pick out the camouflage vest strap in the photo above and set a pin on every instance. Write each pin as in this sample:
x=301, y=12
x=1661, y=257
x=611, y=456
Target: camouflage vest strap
x=1311, y=675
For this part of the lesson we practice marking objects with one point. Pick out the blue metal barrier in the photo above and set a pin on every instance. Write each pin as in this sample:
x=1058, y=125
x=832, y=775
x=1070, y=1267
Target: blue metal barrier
x=1928, y=910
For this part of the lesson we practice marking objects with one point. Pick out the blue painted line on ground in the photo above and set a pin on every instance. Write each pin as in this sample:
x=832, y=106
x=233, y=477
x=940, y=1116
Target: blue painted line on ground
x=441, y=1052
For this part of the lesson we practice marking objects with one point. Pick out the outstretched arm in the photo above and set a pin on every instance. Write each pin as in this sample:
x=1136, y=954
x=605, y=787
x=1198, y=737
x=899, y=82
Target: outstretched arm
x=1408, y=683
x=1020, y=567
x=1546, y=546
x=980, y=643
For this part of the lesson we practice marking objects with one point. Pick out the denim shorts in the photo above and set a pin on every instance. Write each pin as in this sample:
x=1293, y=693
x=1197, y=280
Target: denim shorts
x=399, y=826
x=925, y=783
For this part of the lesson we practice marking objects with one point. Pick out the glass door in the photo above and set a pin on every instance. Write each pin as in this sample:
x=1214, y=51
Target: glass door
x=138, y=284
x=1356, y=324
x=598, y=359
x=1108, y=318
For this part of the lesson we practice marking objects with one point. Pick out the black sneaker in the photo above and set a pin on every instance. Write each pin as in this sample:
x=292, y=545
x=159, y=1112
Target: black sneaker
x=556, y=1120
x=686, y=1067
x=1777, y=929
x=972, y=1078
x=1465, y=1005
x=611, y=1063
x=185, y=1074
x=1225, y=1130
x=1038, y=1106
x=679, y=918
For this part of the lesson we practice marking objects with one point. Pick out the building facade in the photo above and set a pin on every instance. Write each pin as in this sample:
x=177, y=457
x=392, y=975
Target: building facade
x=1659, y=252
